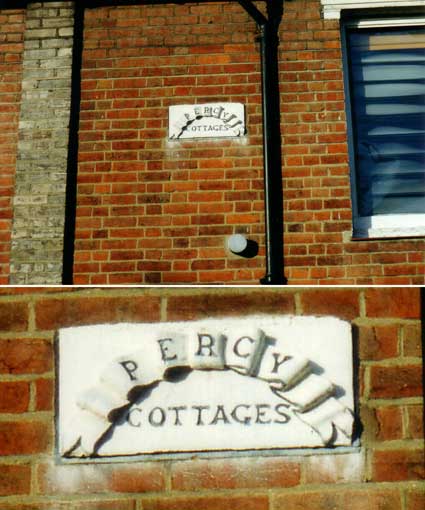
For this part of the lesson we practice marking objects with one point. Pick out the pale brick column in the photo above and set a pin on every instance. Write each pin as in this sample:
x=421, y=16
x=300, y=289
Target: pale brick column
x=39, y=203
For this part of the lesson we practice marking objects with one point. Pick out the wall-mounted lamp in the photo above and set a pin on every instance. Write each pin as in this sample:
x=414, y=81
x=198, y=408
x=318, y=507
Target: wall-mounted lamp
x=240, y=245
x=237, y=243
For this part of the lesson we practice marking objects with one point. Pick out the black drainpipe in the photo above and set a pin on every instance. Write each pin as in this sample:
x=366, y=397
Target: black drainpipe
x=273, y=192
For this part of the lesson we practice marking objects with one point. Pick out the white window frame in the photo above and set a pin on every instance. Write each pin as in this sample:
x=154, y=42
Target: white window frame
x=384, y=225
x=332, y=8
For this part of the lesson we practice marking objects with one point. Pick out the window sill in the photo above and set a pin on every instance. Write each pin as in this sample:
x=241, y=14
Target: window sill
x=356, y=237
x=389, y=226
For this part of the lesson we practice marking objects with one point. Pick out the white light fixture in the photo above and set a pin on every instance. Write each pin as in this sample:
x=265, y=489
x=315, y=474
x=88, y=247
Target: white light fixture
x=237, y=243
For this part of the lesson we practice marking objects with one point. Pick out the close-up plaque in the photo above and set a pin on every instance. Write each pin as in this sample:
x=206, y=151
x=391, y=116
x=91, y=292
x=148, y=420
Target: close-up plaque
x=219, y=385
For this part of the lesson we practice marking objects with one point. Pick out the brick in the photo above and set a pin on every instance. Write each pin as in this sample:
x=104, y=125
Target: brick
x=45, y=389
x=394, y=302
x=14, y=397
x=11, y=52
x=398, y=465
x=390, y=423
x=378, y=342
x=101, y=478
x=195, y=57
x=75, y=505
x=415, y=499
x=25, y=356
x=207, y=503
x=15, y=479
x=412, y=340
x=24, y=437
x=207, y=305
x=344, y=468
x=45, y=97
x=342, y=303
x=234, y=474
x=146, y=478
x=383, y=499
x=396, y=381
x=57, y=313
x=13, y=316
x=415, y=424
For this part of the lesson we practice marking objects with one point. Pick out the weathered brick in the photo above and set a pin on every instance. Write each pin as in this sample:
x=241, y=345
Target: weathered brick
x=396, y=465
x=390, y=423
x=126, y=504
x=412, y=340
x=415, y=424
x=415, y=499
x=57, y=313
x=234, y=474
x=321, y=302
x=396, y=381
x=99, y=479
x=207, y=305
x=384, y=499
x=13, y=316
x=25, y=356
x=344, y=468
x=207, y=503
x=37, y=236
x=45, y=389
x=11, y=52
x=394, y=302
x=15, y=479
x=378, y=342
x=14, y=396
x=24, y=437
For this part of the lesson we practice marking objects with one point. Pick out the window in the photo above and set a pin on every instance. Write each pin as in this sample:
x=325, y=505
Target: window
x=385, y=83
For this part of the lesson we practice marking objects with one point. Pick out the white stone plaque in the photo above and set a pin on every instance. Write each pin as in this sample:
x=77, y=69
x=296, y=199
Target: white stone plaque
x=212, y=120
x=252, y=383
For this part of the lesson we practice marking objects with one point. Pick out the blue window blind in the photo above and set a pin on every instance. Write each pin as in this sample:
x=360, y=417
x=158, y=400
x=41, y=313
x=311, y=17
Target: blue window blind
x=387, y=78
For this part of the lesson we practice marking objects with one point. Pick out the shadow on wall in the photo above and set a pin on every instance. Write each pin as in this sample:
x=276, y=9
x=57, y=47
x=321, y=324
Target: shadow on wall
x=358, y=426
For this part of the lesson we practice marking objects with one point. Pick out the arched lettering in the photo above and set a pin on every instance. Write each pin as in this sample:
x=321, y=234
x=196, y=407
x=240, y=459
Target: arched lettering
x=165, y=349
x=206, y=342
x=130, y=367
x=236, y=347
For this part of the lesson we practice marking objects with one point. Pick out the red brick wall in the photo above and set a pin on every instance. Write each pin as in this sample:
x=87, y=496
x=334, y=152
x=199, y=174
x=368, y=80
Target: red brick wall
x=152, y=211
x=11, y=52
x=387, y=474
x=318, y=245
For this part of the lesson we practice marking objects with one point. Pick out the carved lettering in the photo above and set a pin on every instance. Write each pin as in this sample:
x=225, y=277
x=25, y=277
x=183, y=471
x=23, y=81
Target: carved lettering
x=130, y=415
x=177, y=410
x=246, y=420
x=220, y=415
x=259, y=380
x=282, y=413
x=236, y=347
x=130, y=367
x=200, y=409
x=166, y=356
x=261, y=412
x=206, y=342
x=157, y=417
x=278, y=363
x=205, y=415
